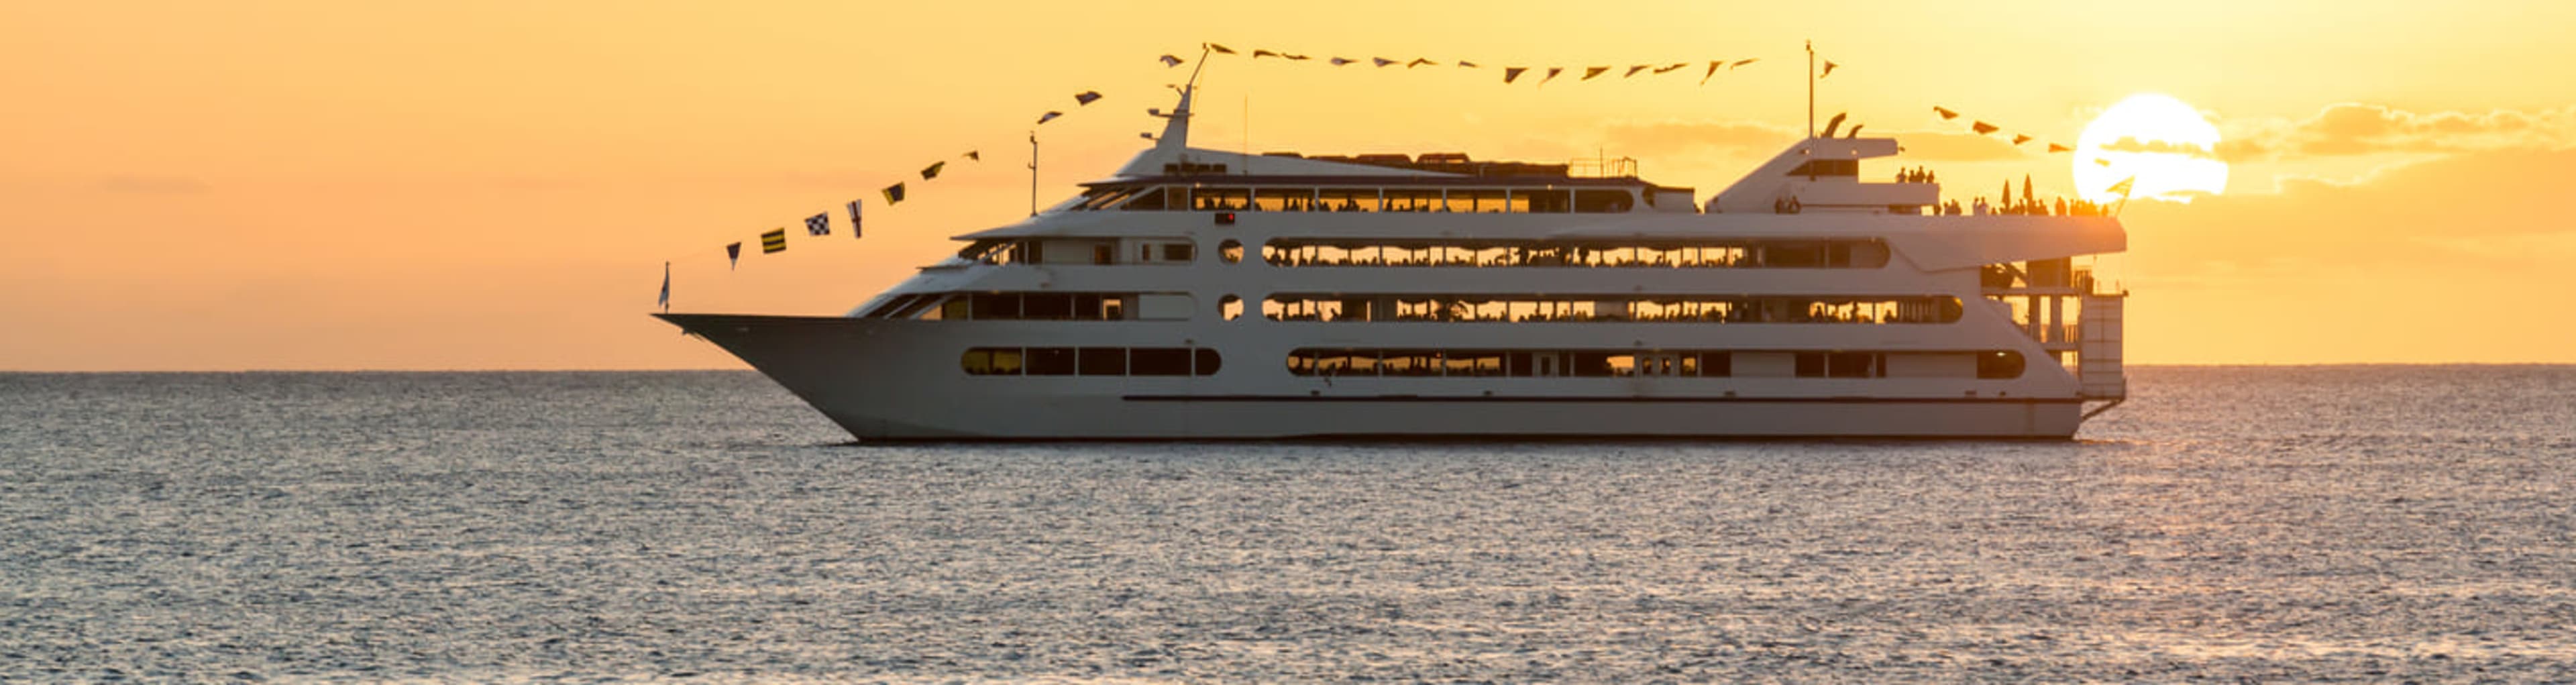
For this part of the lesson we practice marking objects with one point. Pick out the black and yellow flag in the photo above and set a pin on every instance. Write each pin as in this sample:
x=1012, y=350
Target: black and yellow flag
x=893, y=194
x=1512, y=73
x=1632, y=71
x=1946, y=113
x=773, y=241
x=932, y=171
x=1983, y=128
x=2054, y=148
x=1589, y=72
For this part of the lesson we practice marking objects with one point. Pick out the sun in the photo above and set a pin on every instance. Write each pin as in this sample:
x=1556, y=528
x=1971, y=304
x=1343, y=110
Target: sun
x=2162, y=142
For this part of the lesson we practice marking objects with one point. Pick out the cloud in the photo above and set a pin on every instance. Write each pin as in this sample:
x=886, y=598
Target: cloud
x=2352, y=128
x=2419, y=262
x=2159, y=147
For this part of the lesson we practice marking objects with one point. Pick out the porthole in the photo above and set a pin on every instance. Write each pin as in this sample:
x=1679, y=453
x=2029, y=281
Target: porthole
x=1230, y=250
x=1230, y=306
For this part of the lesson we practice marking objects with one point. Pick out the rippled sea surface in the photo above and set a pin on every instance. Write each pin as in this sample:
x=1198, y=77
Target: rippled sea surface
x=2363, y=524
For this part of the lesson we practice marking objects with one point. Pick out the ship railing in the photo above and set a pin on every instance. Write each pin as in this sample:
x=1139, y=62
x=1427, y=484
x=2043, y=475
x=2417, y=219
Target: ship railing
x=1603, y=167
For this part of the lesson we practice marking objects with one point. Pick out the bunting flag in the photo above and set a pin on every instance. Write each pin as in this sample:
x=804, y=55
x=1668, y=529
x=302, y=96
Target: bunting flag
x=2122, y=187
x=932, y=171
x=1510, y=74
x=819, y=224
x=1170, y=61
x=733, y=256
x=894, y=194
x=976, y=155
x=2054, y=148
x=1945, y=113
x=2019, y=139
x=1829, y=69
x=773, y=241
x=1086, y=97
x=665, y=300
x=1049, y=116
x=2097, y=161
x=855, y=226
x=1983, y=128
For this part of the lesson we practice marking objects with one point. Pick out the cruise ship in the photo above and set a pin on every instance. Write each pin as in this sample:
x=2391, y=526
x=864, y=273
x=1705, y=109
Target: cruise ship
x=1198, y=294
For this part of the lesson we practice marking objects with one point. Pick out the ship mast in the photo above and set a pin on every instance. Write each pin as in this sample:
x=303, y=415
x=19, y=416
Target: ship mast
x=1811, y=89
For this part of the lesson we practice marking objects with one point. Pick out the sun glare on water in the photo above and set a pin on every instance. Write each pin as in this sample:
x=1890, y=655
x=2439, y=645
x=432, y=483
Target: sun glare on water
x=2162, y=142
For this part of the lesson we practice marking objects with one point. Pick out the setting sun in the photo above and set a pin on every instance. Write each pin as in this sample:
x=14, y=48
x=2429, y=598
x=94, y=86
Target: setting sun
x=2162, y=142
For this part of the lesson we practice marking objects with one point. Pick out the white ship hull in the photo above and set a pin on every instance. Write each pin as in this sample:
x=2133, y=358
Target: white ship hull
x=900, y=380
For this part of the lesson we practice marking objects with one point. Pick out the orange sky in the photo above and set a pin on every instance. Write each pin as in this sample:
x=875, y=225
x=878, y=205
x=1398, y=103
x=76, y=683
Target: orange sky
x=333, y=185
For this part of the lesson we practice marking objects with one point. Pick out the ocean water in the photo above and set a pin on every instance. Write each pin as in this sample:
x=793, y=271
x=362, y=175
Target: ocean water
x=2353, y=524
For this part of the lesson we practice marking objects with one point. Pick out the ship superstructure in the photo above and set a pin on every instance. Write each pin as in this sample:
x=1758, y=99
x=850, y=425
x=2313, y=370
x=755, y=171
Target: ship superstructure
x=1202, y=294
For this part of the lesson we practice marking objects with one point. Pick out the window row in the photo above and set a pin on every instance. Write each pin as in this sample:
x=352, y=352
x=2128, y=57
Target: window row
x=1995, y=364
x=1626, y=308
x=1263, y=199
x=1803, y=254
x=1038, y=306
x=1094, y=251
x=1090, y=361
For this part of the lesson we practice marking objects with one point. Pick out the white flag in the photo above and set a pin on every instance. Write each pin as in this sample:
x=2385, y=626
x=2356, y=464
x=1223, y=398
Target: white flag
x=854, y=218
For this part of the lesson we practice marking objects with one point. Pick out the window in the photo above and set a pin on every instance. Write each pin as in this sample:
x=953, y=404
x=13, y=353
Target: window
x=1179, y=252
x=1414, y=201
x=1158, y=361
x=1150, y=200
x=1603, y=201
x=1284, y=199
x=1231, y=251
x=1230, y=307
x=1050, y=361
x=1549, y=201
x=1347, y=200
x=1827, y=167
x=1102, y=361
x=1220, y=198
x=2002, y=364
